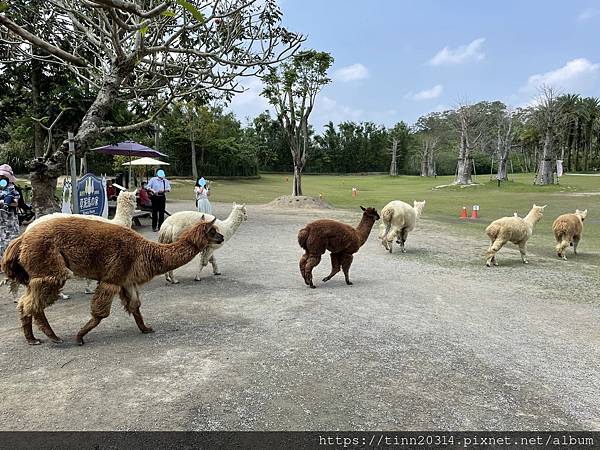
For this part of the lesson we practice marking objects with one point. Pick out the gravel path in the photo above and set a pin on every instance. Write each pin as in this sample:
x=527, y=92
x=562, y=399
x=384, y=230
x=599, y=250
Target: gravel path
x=430, y=339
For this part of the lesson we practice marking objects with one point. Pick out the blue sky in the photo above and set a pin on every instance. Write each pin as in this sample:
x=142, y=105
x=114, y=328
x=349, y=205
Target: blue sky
x=396, y=60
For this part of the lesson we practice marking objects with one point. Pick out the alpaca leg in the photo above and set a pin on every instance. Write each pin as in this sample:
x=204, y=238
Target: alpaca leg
x=523, y=250
x=41, y=292
x=26, y=322
x=302, y=265
x=562, y=247
x=213, y=262
x=491, y=253
x=42, y=322
x=88, y=287
x=202, y=263
x=335, y=266
x=346, y=263
x=311, y=263
x=100, y=308
x=130, y=297
x=575, y=243
x=403, y=236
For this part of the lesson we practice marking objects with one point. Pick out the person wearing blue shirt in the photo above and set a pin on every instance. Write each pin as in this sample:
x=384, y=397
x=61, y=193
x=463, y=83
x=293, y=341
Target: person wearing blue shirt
x=158, y=187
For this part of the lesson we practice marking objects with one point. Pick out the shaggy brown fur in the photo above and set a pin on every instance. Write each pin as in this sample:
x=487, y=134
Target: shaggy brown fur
x=118, y=258
x=567, y=231
x=340, y=239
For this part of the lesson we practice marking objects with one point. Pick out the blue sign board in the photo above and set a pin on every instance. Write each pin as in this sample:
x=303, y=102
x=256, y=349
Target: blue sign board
x=91, y=195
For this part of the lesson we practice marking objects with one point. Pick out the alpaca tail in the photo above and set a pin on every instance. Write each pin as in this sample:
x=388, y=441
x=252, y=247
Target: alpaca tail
x=303, y=237
x=387, y=214
x=11, y=266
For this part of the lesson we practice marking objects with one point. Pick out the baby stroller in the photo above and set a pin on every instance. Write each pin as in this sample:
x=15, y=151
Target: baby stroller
x=24, y=210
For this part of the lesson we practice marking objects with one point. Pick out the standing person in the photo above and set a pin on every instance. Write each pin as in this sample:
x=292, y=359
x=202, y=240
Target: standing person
x=202, y=192
x=9, y=198
x=158, y=187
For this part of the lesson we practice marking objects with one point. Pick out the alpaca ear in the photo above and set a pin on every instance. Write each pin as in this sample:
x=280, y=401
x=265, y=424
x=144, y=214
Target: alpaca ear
x=362, y=208
x=202, y=218
x=542, y=207
x=213, y=221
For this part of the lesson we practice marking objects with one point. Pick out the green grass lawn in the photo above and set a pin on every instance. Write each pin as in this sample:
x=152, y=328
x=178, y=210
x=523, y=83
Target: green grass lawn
x=443, y=204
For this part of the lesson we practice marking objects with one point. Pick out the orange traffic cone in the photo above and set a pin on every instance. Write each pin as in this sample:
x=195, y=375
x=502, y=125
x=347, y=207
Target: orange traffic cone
x=474, y=213
x=463, y=213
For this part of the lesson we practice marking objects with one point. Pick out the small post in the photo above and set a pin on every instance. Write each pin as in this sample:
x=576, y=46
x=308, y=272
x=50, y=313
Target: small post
x=73, y=161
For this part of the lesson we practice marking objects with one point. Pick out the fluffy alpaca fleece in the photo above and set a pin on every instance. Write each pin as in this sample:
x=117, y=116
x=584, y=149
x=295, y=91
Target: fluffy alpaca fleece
x=567, y=231
x=126, y=204
x=512, y=229
x=172, y=228
x=119, y=259
x=340, y=239
x=398, y=218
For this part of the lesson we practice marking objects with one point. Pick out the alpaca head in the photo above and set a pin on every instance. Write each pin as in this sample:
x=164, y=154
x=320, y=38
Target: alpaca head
x=240, y=210
x=203, y=234
x=371, y=213
x=419, y=207
x=581, y=214
x=126, y=201
x=537, y=212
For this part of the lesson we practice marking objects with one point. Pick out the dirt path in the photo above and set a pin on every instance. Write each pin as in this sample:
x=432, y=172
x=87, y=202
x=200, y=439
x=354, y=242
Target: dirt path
x=430, y=339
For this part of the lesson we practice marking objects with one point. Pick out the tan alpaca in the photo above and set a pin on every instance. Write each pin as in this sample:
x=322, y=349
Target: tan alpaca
x=512, y=229
x=567, y=230
x=119, y=259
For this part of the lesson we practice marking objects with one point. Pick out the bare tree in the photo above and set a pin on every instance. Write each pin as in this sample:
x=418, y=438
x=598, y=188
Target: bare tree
x=469, y=123
x=147, y=52
x=548, y=114
x=428, y=146
x=505, y=139
x=393, y=163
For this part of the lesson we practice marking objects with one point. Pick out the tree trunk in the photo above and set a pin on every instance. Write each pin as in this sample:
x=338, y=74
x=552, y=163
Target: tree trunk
x=545, y=173
x=194, y=163
x=465, y=163
x=297, y=189
x=502, y=175
x=46, y=172
x=393, y=165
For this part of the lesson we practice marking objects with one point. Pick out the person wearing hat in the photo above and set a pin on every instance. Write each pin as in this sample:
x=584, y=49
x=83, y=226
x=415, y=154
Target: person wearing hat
x=9, y=197
x=158, y=187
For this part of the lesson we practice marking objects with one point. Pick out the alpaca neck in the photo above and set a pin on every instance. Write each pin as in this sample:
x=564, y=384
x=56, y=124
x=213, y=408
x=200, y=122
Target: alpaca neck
x=232, y=223
x=122, y=218
x=364, y=228
x=531, y=219
x=162, y=258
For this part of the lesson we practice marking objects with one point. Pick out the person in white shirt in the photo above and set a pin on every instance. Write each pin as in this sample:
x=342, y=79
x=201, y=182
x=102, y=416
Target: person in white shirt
x=158, y=187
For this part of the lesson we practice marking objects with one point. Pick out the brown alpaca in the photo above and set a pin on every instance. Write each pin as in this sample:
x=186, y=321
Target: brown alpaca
x=340, y=239
x=118, y=258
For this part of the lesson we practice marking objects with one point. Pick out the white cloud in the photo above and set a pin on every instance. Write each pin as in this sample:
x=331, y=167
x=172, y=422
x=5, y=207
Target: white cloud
x=574, y=75
x=588, y=14
x=461, y=54
x=427, y=94
x=328, y=109
x=350, y=73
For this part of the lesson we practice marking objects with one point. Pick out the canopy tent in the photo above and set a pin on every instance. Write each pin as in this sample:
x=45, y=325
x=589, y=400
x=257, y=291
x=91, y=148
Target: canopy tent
x=128, y=148
x=146, y=162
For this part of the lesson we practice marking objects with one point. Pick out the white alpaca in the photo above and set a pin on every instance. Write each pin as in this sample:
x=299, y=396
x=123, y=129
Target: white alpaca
x=180, y=221
x=126, y=203
x=397, y=219
x=512, y=229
